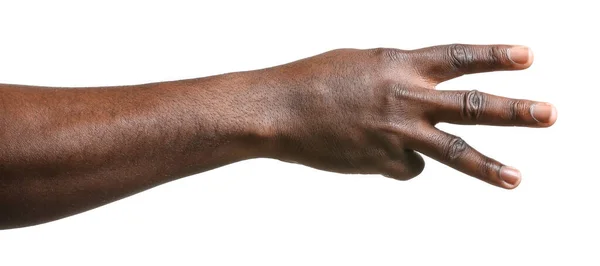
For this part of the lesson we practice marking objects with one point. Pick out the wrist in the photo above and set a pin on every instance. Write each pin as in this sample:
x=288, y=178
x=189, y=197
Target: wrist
x=256, y=111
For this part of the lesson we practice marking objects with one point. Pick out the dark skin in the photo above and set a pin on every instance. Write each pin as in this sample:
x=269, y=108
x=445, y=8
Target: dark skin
x=67, y=150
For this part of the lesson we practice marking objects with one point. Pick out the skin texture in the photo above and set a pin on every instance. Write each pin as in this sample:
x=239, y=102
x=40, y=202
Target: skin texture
x=68, y=150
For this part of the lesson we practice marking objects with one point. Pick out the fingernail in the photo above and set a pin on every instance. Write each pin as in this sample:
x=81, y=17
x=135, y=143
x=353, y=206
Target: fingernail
x=510, y=175
x=519, y=54
x=543, y=112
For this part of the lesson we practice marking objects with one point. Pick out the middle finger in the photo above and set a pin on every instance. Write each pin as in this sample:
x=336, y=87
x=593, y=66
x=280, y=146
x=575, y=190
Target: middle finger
x=475, y=107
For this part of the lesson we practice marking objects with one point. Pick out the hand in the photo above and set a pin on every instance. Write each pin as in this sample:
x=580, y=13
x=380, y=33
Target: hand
x=371, y=111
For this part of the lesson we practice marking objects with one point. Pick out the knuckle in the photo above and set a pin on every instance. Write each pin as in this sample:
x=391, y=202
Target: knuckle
x=407, y=93
x=494, y=56
x=377, y=52
x=513, y=110
x=459, y=55
x=487, y=168
x=388, y=54
x=455, y=148
x=399, y=91
x=517, y=109
x=472, y=104
x=407, y=166
x=390, y=94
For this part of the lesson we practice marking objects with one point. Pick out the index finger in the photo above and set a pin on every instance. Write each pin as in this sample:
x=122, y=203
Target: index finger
x=444, y=62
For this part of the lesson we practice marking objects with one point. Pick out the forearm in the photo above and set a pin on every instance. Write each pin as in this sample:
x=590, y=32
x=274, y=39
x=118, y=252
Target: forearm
x=372, y=111
x=67, y=150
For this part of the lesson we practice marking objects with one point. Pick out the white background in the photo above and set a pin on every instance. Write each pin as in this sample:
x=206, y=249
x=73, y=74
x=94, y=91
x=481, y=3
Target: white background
x=264, y=212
